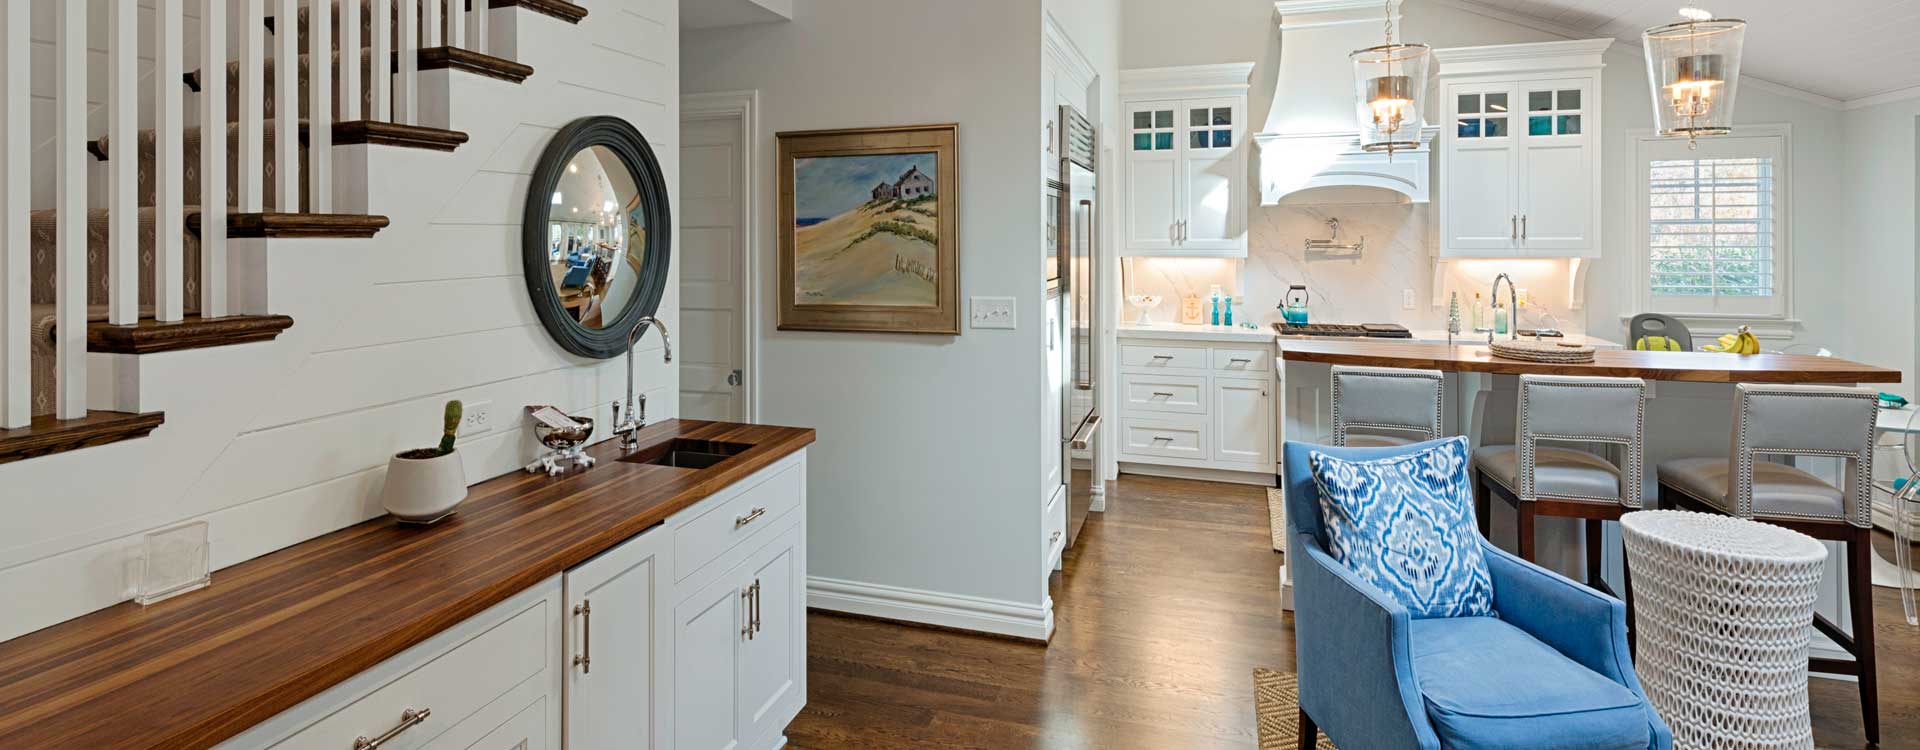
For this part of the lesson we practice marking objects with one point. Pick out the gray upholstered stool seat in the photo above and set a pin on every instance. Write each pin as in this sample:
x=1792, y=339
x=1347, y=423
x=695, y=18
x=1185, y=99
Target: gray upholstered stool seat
x=1362, y=440
x=1779, y=490
x=1559, y=473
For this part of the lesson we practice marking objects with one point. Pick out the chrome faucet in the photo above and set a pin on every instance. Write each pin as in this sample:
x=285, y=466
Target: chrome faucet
x=1513, y=308
x=629, y=428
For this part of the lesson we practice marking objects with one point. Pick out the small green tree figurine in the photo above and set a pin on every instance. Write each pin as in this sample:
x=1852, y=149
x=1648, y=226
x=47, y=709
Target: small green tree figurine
x=1453, y=314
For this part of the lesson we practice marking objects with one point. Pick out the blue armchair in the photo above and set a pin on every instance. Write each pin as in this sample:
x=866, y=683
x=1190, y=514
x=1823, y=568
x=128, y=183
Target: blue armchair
x=1551, y=671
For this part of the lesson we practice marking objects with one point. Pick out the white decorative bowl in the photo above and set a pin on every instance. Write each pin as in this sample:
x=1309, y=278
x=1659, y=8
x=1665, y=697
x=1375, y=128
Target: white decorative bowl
x=424, y=490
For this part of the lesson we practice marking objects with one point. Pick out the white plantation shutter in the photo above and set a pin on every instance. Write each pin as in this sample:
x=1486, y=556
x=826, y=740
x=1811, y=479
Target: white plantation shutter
x=1713, y=225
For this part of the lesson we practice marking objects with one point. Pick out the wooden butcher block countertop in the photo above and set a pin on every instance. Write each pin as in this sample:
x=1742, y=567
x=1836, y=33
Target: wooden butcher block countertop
x=1700, y=367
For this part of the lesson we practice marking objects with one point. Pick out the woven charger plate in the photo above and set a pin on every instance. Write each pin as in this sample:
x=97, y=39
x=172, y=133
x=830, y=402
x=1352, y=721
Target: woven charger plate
x=1551, y=352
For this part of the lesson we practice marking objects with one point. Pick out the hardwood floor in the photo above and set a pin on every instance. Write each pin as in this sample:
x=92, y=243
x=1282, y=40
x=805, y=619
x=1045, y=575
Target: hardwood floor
x=1166, y=605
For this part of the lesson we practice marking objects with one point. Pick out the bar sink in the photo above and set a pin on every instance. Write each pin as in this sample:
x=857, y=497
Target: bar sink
x=687, y=453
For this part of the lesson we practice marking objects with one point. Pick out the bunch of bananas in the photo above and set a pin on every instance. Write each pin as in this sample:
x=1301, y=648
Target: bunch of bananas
x=1741, y=341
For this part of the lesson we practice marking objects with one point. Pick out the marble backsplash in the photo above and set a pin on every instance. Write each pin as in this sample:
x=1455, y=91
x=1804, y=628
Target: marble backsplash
x=1367, y=288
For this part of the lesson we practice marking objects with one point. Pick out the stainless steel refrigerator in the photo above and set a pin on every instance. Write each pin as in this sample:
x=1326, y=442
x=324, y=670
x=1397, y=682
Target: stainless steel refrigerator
x=1078, y=256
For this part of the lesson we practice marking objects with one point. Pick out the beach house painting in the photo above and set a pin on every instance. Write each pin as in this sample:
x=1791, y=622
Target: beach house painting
x=867, y=244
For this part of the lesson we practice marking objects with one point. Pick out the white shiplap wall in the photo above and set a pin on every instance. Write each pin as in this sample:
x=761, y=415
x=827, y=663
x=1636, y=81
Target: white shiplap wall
x=280, y=442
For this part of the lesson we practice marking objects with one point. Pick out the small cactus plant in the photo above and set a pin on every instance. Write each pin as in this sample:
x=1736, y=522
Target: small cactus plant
x=449, y=430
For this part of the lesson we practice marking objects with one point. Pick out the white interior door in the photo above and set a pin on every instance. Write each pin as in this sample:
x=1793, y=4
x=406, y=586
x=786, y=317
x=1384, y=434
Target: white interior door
x=712, y=264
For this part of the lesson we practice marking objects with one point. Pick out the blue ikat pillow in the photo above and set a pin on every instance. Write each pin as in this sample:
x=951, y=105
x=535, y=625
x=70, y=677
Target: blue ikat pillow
x=1405, y=524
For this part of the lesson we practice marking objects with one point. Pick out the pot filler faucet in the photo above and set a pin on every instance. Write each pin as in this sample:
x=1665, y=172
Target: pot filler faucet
x=629, y=429
x=1513, y=310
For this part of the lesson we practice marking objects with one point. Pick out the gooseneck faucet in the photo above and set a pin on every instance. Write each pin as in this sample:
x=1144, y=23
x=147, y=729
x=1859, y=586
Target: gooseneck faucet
x=629, y=428
x=1513, y=308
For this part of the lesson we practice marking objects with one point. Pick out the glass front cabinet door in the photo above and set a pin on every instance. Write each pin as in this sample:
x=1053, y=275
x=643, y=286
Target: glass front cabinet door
x=1185, y=170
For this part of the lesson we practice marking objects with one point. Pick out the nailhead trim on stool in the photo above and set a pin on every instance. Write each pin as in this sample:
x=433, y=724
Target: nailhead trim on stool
x=1721, y=609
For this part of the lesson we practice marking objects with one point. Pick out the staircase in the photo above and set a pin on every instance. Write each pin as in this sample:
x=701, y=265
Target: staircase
x=151, y=234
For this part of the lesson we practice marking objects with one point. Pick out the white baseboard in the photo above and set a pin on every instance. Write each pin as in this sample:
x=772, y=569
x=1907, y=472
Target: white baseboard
x=997, y=616
x=1255, y=478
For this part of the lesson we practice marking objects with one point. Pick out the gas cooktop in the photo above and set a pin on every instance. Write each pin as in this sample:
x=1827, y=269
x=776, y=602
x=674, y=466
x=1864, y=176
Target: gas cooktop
x=1364, y=330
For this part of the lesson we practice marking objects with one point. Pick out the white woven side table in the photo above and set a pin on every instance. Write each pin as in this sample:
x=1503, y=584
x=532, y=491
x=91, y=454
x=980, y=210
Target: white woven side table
x=1722, y=608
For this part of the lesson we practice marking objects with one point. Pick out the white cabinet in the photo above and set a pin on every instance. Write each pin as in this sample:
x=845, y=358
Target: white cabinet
x=1197, y=408
x=1520, y=150
x=1243, y=422
x=741, y=659
x=619, y=647
x=1065, y=79
x=1185, y=169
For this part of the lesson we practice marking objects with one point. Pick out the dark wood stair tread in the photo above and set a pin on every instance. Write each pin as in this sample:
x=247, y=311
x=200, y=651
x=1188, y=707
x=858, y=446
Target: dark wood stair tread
x=279, y=225
x=47, y=435
x=456, y=58
x=560, y=9
x=192, y=332
x=396, y=134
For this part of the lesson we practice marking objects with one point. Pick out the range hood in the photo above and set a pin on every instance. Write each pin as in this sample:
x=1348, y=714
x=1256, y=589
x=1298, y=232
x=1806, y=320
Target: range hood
x=1311, y=138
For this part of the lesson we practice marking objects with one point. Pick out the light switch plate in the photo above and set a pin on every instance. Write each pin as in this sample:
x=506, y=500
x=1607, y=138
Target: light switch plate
x=1406, y=299
x=992, y=312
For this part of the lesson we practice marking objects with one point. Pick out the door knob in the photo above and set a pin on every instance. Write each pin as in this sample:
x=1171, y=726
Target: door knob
x=734, y=378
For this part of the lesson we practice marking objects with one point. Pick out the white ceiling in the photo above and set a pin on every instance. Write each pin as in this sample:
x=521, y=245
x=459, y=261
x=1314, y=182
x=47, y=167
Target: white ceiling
x=1840, y=49
x=713, y=14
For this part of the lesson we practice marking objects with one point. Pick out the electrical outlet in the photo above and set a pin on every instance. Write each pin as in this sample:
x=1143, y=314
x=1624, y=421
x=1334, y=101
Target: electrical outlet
x=1406, y=299
x=992, y=312
x=476, y=417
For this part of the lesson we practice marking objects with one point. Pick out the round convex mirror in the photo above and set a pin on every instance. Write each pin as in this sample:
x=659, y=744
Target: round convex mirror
x=596, y=235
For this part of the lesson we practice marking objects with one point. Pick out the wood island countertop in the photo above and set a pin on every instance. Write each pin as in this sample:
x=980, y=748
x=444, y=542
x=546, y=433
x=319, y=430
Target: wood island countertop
x=189, y=672
x=1699, y=367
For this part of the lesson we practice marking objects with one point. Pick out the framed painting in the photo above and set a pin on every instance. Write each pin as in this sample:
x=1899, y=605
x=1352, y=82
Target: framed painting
x=869, y=230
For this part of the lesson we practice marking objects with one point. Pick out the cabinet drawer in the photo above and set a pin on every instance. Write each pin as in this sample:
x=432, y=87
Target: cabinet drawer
x=452, y=687
x=1162, y=357
x=1170, y=437
x=1243, y=360
x=726, y=523
x=1054, y=528
x=1168, y=393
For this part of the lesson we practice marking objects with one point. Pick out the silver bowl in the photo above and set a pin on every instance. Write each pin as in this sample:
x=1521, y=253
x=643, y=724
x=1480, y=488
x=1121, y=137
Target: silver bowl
x=563, y=440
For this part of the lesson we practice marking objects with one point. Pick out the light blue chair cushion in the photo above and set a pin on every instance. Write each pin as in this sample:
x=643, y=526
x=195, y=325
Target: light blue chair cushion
x=1405, y=524
x=1488, y=684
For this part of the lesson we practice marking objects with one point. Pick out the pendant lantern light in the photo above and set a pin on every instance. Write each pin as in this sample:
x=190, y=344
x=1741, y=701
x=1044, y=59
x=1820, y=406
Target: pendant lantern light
x=1694, y=66
x=1391, y=88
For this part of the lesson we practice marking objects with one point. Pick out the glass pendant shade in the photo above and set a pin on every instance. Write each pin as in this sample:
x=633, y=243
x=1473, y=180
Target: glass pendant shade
x=1391, y=83
x=1694, y=67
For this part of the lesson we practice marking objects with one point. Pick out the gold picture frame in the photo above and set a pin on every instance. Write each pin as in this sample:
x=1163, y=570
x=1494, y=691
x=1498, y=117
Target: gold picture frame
x=869, y=230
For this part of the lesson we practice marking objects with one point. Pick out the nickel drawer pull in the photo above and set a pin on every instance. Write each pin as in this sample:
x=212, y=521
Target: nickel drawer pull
x=1054, y=538
x=749, y=517
x=584, y=659
x=1163, y=394
x=1239, y=361
x=1158, y=438
x=1163, y=356
x=408, y=720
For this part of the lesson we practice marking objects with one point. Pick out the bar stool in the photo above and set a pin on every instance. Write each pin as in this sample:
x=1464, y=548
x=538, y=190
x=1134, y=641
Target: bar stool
x=1803, y=420
x=1404, y=403
x=1563, y=482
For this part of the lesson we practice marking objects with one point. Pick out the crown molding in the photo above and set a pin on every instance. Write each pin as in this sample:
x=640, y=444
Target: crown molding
x=1060, y=44
x=1885, y=97
x=1226, y=78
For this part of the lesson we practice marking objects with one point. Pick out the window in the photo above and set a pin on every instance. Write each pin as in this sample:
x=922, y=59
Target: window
x=1713, y=225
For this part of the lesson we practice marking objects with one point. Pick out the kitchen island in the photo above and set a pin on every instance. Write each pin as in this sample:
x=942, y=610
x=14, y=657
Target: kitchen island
x=1689, y=413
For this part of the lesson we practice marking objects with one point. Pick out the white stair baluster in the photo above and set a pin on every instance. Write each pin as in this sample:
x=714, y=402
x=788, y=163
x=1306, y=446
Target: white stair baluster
x=252, y=172
x=477, y=25
x=350, y=58
x=213, y=158
x=70, y=200
x=406, y=84
x=169, y=175
x=380, y=85
x=457, y=23
x=286, y=106
x=123, y=162
x=430, y=23
x=320, y=107
x=16, y=150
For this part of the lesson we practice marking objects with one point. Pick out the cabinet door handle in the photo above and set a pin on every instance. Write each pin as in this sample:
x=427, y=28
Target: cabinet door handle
x=1513, y=227
x=1173, y=233
x=1054, y=538
x=749, y=517
x=746, y=606
x=1523, y=227
x=584, y=659
x=1159, y=438
x=408, y=720
x=1183, y=231
x=1167, y=357
x=1049, y=136
x=756, y=605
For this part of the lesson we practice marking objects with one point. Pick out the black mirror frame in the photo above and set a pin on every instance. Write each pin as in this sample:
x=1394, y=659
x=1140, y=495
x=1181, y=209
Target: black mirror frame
x=625, y=141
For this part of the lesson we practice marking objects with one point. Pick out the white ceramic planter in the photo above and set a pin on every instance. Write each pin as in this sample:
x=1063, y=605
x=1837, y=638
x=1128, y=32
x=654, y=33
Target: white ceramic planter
x=424, y=490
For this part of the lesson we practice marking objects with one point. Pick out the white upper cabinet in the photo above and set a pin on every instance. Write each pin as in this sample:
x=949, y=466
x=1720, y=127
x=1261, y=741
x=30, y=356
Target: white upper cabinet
x=1520, y=150
x=1066, y=78
x=1185, y=168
